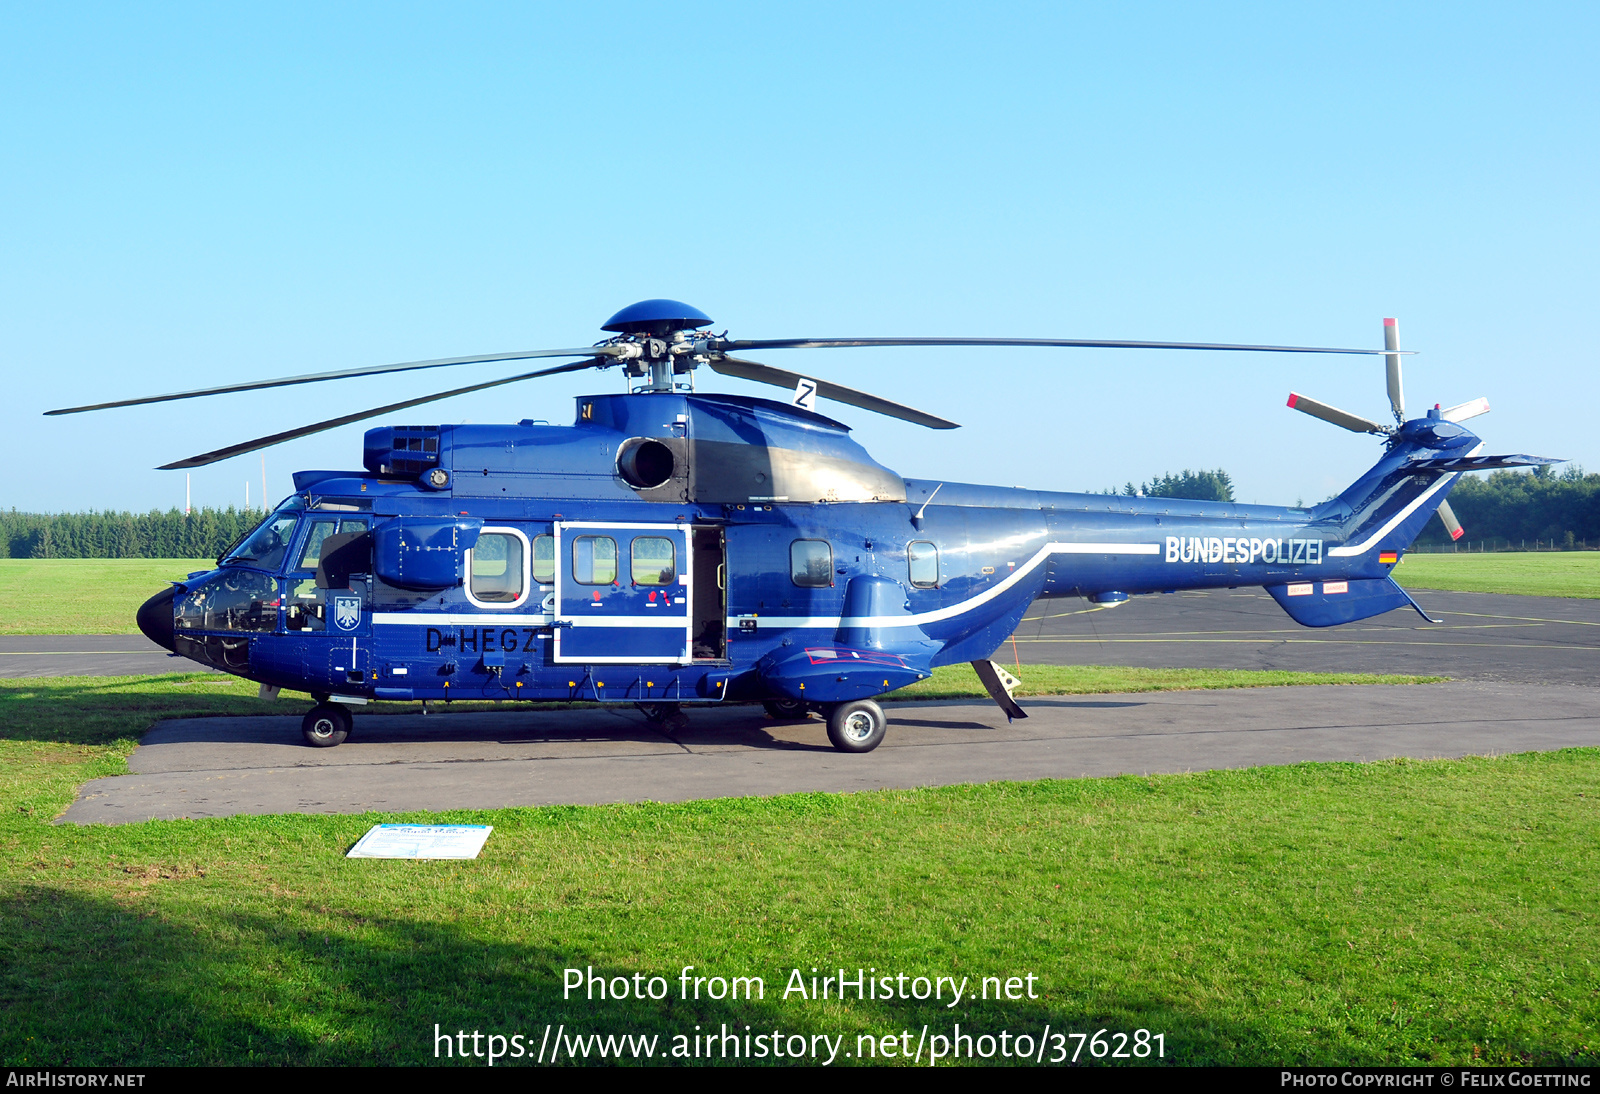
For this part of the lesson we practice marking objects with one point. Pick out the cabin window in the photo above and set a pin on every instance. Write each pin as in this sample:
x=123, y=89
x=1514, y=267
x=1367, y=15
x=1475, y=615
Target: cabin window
x=544, y=559
x=594, y=560
x=655, y=561
x=811, y=563
x=923, y=559
x=497, y=574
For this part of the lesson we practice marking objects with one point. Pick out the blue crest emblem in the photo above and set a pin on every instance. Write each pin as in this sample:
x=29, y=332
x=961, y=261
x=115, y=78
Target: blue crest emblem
x=346, y=612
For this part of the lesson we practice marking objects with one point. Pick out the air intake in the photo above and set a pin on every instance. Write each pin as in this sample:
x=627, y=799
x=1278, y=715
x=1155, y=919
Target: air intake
x=401, y=450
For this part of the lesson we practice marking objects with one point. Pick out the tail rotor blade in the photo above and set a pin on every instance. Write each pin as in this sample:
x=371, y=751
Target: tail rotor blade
x=1451, y=524
x=1342, y=418
x=1464, y=411
x=1397, y=394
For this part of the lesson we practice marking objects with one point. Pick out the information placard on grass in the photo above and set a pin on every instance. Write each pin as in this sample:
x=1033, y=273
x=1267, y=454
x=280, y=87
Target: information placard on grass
x=421, y=841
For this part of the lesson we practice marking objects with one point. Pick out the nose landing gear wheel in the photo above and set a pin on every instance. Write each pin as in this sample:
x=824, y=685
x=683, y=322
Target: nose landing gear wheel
x=857, y=726
x=326, y=725
x=669, y=716
x=786, y=710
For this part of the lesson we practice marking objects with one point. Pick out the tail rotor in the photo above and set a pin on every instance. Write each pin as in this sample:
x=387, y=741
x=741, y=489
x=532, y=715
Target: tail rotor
x=1397, y=403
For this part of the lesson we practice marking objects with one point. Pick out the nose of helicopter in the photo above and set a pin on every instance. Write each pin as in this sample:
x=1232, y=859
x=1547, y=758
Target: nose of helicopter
x=155, y=617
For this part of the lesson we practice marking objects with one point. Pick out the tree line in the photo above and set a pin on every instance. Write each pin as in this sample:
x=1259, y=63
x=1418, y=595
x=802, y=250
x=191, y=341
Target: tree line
x=202, y=533
x=1191, y=485
x=1541, y=505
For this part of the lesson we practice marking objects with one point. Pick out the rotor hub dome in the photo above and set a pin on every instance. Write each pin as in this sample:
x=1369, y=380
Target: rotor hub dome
x=657, y=317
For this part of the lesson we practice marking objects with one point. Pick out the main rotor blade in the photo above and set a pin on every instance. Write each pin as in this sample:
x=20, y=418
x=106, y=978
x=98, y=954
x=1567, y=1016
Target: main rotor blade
x=1344, y=418
x=1391, y=360
x=777, y=377
x=341, y=374
x=334, y=423
x=741, y=344
x=1451, y=524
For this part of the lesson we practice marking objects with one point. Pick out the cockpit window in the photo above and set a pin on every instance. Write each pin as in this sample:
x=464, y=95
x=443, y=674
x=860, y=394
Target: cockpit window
x=311, y=554
x=264, y=548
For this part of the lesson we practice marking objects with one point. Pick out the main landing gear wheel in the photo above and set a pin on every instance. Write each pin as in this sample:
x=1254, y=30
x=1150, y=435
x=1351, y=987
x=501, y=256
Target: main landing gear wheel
x=786, y=710
x=669, y=716
x=857, y=726
x=326, y=725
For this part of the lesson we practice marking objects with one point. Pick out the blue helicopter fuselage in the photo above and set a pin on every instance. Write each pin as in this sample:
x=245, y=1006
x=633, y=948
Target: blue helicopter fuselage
x=673, y=547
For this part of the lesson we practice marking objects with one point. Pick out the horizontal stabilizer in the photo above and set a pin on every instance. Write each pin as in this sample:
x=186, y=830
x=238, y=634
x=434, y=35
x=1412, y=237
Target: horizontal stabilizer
x=1479, y=463
x=1329, y=603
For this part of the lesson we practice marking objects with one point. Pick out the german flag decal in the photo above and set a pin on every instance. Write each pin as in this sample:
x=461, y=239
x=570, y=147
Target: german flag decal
x=1388, y=558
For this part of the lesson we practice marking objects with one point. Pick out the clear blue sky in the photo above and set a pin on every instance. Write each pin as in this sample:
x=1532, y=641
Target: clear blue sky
x=194, y=194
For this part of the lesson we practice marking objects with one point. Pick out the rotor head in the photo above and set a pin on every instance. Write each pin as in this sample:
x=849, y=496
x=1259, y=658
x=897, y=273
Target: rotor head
x=657, y=317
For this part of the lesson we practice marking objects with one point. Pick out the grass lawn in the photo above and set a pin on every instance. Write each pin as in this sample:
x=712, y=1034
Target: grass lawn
x=1545, y=573
x=83, y=595
x=1403, y=912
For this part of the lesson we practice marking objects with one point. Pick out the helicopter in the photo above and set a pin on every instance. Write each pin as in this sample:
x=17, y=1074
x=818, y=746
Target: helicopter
x=673, y=547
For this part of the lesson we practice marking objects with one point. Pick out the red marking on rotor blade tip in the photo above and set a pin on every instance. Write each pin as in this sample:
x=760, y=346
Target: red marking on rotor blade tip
x=1458, y=533
x=1292, y=398
x=1388, y=322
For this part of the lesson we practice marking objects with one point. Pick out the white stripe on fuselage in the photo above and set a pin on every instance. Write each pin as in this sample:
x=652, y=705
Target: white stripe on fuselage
x=451, y=619
x=1394, y=522
x=442, y=619
x=965, y=606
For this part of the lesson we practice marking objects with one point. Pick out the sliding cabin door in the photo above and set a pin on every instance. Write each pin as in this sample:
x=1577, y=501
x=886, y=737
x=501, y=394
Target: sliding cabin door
x=622, y=593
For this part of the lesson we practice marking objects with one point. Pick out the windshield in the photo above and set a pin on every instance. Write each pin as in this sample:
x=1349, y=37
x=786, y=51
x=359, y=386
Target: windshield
x=265, y=546
x=237, y=551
